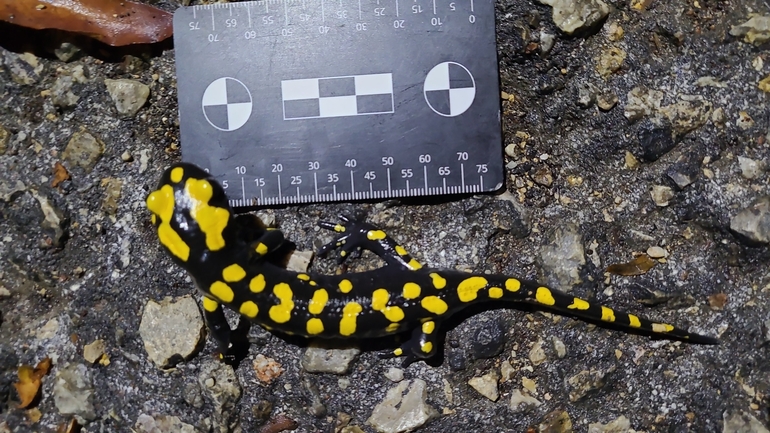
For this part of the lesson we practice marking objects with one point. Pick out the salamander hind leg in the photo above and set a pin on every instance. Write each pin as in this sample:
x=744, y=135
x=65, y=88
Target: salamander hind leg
x=421, y=346
x=353, y=235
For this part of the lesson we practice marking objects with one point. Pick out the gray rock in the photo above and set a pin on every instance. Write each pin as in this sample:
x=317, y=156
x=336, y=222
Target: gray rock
x=737, y=421
x=128, y=95
x=55, y=221
x=750, y=169
x=61, y=92
x=642, y=102
x=559, y=347
x=5, y=137
x=93, y=352
x=753, y=223
x=486, y=385
x=161, y=424
x=557, y=421
x=66, y=51
x=620, y=424
x=25, y=68
x=73, y=393
x=537, y=354
x=656, y=140
x=661, y=195
x=547, y=40
x=171, y=330
x=687, y=114
x=754, y=31
x=322, y=360
x=606, y=101
x=563, y=257
x=521, y=402
x=573, y=15
x=586, y=96
x=401, y=413
x=583, y=383
x=222, y=391
x=395, y=374
x=83, y=150
x=682, y=179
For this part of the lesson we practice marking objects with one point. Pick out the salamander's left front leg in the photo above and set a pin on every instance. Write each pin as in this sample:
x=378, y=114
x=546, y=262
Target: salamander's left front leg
x=217, y=325
x=355, y=235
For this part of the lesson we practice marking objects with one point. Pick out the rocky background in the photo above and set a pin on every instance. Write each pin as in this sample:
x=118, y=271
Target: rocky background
x=635, y=130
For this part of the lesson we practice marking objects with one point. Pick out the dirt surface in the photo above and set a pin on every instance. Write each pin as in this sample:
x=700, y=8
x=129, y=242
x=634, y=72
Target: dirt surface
x=586, y=177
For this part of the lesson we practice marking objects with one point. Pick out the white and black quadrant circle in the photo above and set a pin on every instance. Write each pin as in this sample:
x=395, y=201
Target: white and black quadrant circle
x=227, y=104
x=449, y=89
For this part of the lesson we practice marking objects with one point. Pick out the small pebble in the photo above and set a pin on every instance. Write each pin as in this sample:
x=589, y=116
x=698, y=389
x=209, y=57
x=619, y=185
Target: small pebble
x=661, y=195
x=126, y=156
x=657, y=252
x=395, y=374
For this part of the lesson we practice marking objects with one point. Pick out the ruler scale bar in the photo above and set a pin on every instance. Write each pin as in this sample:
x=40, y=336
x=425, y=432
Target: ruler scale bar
x=404, y=100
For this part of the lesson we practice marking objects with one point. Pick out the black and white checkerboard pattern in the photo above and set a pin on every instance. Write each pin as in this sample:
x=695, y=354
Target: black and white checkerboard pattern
x=354, y=95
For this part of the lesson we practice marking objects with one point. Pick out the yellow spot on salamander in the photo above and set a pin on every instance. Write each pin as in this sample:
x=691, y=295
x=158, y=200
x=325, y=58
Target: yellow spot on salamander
x=318, y=301
x=345, y=286
x=233, y=273
x=428, y=327
x=339, y=228
x=303, y=277
x=261, y=249
x=375, y=235
x=154, y=219
x=398, y=352
x=607, y=314
x=544, y=296
x=177, y=174
x=414, y=264
x=579, y=304
x=468, y=289
x=281, y=313
x=661, y=327
x=495, y=292
x=426, y=347
x=249, y=309
x=380, y=299
x=211, y=220
x=222, y=291
x=411, y=291
x=161, y=203
x=434, y=304
x=209, y=304
x=634, y=322
x=257, y=284
x=315, y=326
x=401, y=251
x=512, y=285
x=393, y=327
x=171, y=240
x=439, y=282
x=349, y=314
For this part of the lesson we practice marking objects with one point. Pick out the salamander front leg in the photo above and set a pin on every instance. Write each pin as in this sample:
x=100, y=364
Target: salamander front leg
x=217, y=326
x=354, y=235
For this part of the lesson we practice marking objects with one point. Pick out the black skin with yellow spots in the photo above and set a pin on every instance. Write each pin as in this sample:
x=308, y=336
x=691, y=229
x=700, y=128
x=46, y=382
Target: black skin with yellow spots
x=229, y=259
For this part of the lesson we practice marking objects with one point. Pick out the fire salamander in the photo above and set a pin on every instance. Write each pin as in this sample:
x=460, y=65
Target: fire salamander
x=227, y=256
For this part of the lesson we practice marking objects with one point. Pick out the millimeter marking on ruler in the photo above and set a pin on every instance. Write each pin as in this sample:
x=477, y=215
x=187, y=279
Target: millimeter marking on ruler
x=372, y=98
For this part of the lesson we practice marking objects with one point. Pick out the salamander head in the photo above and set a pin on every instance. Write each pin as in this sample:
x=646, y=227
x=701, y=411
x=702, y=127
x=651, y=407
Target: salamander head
x=191, y=213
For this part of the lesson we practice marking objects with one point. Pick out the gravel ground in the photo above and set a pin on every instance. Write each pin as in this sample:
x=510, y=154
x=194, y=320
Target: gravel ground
x=646, y=131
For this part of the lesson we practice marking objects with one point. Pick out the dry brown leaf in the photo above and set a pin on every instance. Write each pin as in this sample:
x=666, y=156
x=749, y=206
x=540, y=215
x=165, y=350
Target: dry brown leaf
x=70, y=427
x=638, y=266
x=60, y=174
x=114, y=22
x=29, y=381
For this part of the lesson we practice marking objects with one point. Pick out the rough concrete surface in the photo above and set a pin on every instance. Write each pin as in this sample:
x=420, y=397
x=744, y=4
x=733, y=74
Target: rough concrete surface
x=646, y=125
